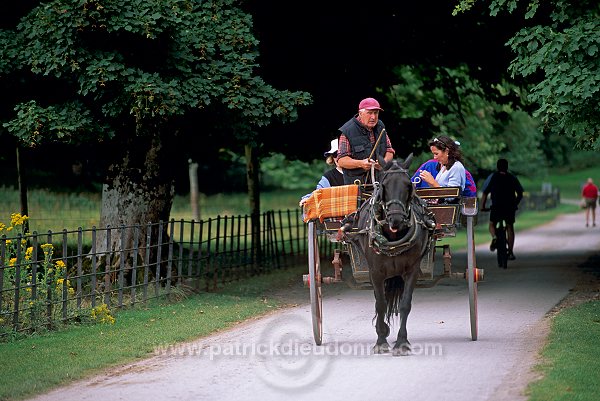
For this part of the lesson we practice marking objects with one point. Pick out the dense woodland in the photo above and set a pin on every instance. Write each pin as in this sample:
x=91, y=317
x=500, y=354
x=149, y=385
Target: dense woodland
x=433, y=70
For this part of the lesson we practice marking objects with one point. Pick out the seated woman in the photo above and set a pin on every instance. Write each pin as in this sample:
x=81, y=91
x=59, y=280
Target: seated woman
x=433, y=166
x=452, y=172
x=331, y=178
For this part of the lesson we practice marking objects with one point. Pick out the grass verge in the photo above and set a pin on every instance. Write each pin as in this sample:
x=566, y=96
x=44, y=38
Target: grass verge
x=571, y=364
x=37, y=364
x=524, y=221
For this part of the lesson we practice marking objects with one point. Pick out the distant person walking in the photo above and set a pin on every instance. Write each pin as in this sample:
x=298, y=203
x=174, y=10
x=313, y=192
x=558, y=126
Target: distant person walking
x=506, y=193
x=589, y=193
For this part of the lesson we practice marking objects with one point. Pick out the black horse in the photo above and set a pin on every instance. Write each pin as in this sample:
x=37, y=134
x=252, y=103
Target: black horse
x=393, y=231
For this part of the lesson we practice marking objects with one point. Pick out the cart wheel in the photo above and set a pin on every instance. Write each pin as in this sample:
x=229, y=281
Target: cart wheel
x=472, y=277
x=314, y=270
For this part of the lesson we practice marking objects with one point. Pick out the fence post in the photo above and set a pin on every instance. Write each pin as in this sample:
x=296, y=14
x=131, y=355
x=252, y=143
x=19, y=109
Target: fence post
x=136, y=244
x=107, y=270
x=79, y=266
x=147, y=264
x=2, y=259
x=65, y=288
x=49, y=305
x=122, y=266
x=201, y=272
x=158, y=258
x=17, y=293
x=34, y=273
x=94, y=268
x=191, y=254
x=180, y=256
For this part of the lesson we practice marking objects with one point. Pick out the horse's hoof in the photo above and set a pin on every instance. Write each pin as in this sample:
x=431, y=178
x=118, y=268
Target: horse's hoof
x=402, y=350
x=381, y=348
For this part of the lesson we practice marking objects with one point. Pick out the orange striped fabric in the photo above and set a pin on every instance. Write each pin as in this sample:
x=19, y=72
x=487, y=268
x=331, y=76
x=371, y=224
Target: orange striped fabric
x=331, y=202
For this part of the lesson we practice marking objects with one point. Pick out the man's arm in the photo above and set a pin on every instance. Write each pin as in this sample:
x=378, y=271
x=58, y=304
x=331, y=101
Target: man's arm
x=483, y=200
x=518, y=190
x=350, y=163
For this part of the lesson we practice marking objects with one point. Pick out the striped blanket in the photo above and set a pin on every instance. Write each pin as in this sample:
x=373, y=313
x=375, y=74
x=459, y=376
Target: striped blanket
x=331, y=202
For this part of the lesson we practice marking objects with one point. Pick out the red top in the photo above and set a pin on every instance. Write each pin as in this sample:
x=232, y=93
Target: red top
x=590, y=191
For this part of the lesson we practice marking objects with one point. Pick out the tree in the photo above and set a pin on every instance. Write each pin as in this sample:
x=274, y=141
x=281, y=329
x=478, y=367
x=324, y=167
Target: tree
x=139, y=76
x=488, y=119
x=557, y=50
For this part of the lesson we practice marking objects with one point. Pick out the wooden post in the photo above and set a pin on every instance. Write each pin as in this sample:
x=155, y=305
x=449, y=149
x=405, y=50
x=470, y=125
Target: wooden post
x=193, y=172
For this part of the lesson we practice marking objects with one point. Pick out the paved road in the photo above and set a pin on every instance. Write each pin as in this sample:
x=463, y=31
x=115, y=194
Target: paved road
x=274, y=358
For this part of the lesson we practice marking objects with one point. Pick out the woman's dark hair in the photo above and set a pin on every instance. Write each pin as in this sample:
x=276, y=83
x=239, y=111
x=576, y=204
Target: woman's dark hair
x=444, y=142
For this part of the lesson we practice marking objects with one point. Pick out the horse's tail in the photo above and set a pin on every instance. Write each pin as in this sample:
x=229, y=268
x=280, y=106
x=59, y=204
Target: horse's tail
x=394, y=287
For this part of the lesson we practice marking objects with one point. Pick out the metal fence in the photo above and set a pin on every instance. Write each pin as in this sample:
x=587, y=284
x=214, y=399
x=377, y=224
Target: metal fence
x=59, y=277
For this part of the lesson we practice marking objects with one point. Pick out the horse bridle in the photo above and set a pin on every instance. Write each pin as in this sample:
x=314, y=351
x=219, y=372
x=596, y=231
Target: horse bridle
x=403, y=210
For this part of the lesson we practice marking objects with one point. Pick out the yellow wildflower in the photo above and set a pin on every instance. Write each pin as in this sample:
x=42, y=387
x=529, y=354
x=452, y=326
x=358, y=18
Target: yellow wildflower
x=17, y=220
x=12, y=261
x=28, y=253
x=102, y=314
x=47, y=248
x=2, y=226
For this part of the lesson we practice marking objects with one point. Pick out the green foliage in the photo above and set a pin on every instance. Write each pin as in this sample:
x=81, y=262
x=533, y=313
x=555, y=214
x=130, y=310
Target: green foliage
x=137, y=62
x=489, y=121
x=278, y=172
x=558, y=54
x=67, y=122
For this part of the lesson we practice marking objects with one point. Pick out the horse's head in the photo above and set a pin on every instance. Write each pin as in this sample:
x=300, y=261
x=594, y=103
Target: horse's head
x=396, y=191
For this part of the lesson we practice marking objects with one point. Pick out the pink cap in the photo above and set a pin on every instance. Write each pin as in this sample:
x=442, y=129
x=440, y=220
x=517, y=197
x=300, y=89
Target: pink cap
x=369, y=104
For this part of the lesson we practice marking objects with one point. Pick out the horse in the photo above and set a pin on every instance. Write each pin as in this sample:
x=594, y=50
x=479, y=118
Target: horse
x=393, y=232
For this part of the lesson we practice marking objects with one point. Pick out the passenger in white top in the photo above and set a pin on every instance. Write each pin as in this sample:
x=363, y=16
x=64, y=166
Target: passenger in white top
x=452, y=171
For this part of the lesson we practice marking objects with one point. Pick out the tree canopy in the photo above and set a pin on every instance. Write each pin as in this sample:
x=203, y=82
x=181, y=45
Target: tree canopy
x=557, y=51
x=114, y=62
x=489, y=120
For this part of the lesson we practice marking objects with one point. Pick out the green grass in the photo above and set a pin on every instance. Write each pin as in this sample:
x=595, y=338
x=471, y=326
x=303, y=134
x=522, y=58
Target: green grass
x=571, y=358
x=37, y=364
x=524, y=221
x=569, y=184
x=57, y=210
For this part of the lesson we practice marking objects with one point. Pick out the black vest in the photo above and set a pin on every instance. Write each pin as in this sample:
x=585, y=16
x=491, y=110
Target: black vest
x=334, y=177
x=361, y=147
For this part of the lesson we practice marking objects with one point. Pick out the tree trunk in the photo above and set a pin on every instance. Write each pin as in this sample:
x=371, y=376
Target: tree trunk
x=21, y=177
x=252, y=171
x=139, y=189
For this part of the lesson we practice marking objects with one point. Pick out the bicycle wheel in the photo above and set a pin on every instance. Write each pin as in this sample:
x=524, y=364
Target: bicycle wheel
x=501, y=246
x=314, y=270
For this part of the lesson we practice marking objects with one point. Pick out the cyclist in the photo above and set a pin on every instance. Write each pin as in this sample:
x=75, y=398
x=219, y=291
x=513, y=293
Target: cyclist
x=506, y=193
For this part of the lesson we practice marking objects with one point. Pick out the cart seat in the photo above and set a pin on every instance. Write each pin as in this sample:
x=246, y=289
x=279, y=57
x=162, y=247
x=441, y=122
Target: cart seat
x=444, y=203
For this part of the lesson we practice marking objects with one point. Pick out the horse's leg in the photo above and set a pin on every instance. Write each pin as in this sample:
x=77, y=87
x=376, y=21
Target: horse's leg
x=402, y=346
x=381, y=327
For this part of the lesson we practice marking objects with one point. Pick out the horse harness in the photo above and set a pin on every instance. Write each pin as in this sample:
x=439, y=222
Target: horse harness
x=415, y=215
